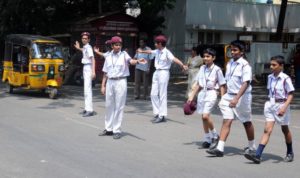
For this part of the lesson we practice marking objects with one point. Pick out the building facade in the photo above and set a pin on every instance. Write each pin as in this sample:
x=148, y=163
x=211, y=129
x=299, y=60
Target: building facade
x=195, y=22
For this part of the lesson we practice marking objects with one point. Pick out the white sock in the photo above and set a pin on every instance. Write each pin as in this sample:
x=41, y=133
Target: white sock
x=207, y=137
x=221, y=145
x=252, y=145
x=214, y=133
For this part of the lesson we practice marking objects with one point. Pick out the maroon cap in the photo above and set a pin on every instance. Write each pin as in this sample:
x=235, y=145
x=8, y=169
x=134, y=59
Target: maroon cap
x=160, y=38
x=86, y=34
x=189, y=108
x=115, y=39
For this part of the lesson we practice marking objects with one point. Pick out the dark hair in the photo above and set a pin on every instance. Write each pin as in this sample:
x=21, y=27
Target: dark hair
x=279, y=59
x=239, y=44
x=210, y=51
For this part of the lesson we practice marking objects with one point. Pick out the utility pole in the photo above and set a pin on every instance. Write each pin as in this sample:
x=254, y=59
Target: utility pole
x=100, y=6
x=281, y=18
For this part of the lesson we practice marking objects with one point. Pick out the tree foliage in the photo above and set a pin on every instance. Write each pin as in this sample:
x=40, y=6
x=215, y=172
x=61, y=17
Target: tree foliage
x=49, y=17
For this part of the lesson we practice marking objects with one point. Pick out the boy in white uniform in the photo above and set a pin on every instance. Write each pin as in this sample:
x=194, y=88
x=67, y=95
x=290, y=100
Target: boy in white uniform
x=208, y=80
x=89, y=74
x=236, y=103
x=277, y=109
x=114, y=86
x=160, y=80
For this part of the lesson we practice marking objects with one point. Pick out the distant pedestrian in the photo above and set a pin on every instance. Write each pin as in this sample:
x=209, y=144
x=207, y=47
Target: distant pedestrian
x=194, y=63
x=89, y=74
x=114, y=86
x=160, y=80
x=142, y=71
x=209, y=79
x=236, y=102
x=277, y=109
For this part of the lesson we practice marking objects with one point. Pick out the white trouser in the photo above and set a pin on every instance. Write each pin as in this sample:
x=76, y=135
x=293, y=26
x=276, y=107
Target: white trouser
x=88, y=94
x=115, y=96
x=159, y=88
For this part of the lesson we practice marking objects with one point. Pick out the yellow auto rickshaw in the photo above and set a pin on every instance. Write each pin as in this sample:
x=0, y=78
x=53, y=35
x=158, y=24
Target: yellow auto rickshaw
x=33, y=62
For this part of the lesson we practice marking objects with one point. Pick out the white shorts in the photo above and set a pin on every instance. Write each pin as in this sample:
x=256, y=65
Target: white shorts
x=206, y=101
x=271, y=110
x=242, y=111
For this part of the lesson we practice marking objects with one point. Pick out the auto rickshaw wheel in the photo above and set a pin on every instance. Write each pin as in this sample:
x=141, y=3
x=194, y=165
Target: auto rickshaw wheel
x=53, y=93
x=9, y=88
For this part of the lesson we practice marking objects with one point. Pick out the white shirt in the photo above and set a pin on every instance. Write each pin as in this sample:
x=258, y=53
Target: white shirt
x=238, y=72
x=279, y=86
x=163, y=58
x=87, y=54
x=210, y=78
x=116, y=64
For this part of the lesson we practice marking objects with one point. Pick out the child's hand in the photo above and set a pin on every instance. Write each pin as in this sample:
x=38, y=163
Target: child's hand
x=103, y=90
x=77, y=45
x=96, y=49
x=142, y=61
x=233, y=103
x=281, y=111
x=185, y=67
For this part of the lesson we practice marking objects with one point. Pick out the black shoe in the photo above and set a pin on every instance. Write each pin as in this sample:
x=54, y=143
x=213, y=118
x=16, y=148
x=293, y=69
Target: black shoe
x=247, y=150
x=252, y=156
x=88, y=114
x=205, y=145
x=154, y=118
x=159, y=120
x=82, y=112
x=214, y=143
x=105, y=133
x=117, y=135
x=137, y=97
x=215, y=152
x=289, y=157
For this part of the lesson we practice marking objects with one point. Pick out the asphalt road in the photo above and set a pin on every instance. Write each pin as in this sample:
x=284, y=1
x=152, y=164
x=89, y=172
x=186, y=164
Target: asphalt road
x=44, y=138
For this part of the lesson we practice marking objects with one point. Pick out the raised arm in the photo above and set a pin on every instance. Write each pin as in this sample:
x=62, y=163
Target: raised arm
x=77, y=46
x=97, y=51
x=177, y=61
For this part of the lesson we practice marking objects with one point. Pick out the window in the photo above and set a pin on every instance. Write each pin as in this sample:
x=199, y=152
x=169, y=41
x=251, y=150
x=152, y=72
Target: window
x=209, y=37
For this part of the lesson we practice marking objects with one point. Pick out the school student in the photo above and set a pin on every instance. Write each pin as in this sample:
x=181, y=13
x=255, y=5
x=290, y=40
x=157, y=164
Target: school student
x=236, y=102
x=160, y=79
x=114, y=86
x=277, y=109
x=208, y=80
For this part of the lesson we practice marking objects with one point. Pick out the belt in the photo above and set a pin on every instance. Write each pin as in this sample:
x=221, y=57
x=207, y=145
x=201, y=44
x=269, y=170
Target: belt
x=117, y=78
x=232, y=93
x=280, y=100
x=162, y=69
x=210, y=89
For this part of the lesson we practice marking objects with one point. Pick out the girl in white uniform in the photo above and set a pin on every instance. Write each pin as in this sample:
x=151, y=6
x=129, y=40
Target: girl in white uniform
x=114, y=86
x=277, y=109
x=208, y=80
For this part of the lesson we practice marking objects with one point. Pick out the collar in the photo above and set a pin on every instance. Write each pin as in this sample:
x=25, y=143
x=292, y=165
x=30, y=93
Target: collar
x=162, y=50
x=240, y=60
x=211, y=67
x=117, y=54
x=280, y=76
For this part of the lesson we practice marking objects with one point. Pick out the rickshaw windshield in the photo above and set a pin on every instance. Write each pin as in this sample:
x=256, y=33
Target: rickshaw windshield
x=46, y=51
